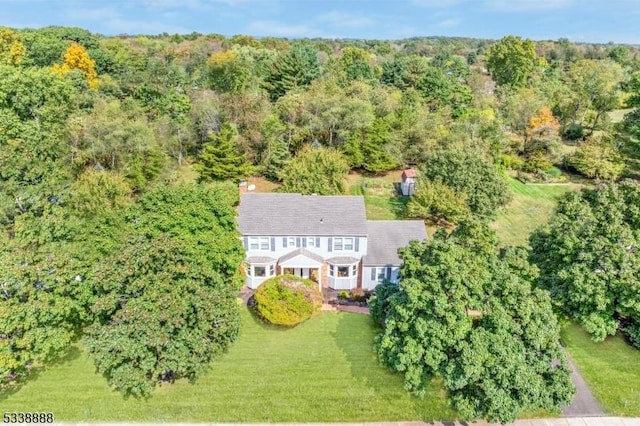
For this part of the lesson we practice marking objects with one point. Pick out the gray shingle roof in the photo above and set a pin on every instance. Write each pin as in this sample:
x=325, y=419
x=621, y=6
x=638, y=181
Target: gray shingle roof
x=343, y=260
x=295, y=214
x=259, y=259
x=387, y=236
x=303, y=252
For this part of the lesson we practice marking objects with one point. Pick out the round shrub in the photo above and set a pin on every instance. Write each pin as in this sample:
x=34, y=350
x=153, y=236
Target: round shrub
x=287, y=300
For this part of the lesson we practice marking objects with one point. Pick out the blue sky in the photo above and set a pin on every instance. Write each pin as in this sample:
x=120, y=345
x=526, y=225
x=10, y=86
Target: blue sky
x=579, y=20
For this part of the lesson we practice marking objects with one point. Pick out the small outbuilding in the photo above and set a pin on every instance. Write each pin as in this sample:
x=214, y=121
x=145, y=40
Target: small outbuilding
x=408, y=182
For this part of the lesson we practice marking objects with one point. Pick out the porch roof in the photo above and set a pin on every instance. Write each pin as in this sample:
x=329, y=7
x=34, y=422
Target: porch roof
x=343, y=260
x=301, y=257
x=259, y=260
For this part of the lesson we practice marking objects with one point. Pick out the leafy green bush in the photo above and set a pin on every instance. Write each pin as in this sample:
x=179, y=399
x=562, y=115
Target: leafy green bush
x=632, y=331
x=379, y=302
x=287, y=300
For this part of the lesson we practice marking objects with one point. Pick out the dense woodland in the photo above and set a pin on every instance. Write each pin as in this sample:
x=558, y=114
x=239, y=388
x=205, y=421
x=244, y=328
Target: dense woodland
x=104, y=240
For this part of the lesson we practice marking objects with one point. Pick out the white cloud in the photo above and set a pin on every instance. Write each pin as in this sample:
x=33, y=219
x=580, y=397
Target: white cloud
x=345, y=20
x=278, y=29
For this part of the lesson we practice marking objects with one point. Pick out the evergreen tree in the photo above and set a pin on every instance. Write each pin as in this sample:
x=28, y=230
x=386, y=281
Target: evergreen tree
x=220, y=159
x=296, y=68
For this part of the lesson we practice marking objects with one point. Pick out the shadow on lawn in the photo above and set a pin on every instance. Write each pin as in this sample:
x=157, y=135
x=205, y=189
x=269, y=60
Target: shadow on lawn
x=355, y=336
x=72, y=354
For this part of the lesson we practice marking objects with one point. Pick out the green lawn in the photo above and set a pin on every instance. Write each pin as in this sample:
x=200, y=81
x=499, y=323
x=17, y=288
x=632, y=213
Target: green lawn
x=530, y=208
x=381, y=201
x=611, y=368
x=324, y=370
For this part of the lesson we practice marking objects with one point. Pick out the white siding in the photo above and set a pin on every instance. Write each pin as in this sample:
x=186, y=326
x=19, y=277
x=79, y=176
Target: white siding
x=322, y=250
x=369, y=283
x=408, y=186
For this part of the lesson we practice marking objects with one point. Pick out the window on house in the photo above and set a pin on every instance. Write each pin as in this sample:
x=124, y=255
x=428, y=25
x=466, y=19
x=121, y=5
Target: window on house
x=288, y=271
x=291, y=241
x=331, y=270
x=254, y=243
x=354, y=270
x=259, y=243
x=264, y=243
x=343, y=243
x=343, y=271
x=259, y=271
x=381, y=272
x=272, y=270
x=311, y=241
x=348, y=244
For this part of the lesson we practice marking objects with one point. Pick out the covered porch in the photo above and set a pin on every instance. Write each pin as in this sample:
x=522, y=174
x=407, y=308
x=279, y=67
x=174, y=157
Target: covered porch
x=304, y=264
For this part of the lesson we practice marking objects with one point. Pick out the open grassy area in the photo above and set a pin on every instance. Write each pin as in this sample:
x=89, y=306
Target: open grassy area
x=530, y=208
x=611, y=369
x=617, y=115
x=324, y=370
x=381, y=200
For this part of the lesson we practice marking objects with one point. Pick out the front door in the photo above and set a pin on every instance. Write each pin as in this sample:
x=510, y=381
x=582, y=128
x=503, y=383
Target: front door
x=301, y=272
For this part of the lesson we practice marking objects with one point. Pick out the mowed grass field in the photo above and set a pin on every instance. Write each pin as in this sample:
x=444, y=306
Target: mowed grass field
x=381, y=200
x=611, y=369
x=530, y=208
x=324, y=370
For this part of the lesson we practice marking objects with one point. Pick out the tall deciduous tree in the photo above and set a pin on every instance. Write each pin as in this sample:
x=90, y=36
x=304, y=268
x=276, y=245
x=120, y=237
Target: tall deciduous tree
x=589, y=257
x=468, y=173
x=11, y=48
x=512, y=61
x=165, y=302
x=76, y=57
x=39, y=317
x=593, y=88
x=321, y=171
x=469, y=314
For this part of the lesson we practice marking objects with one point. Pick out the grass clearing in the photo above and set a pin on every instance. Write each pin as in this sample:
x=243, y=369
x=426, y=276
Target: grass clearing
x=380, y=196
x=617, y=115
x=324, y=370
x=530, y=208
x=611, y=369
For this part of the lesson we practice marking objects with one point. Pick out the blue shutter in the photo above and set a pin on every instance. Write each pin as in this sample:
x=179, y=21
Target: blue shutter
x=246, y=242
x=330, y=247
x=304, y=241
x=389, y=272
x=297, y=241
x=284, y=242
x=357, y=244
x=273, y=244
x=318, y=242
x=373, y=274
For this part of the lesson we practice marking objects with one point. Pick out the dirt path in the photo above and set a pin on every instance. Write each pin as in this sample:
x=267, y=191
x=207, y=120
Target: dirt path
x=584, y=404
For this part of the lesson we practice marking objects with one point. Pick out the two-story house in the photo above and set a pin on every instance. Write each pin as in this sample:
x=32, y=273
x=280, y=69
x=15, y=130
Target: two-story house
x=324, y=238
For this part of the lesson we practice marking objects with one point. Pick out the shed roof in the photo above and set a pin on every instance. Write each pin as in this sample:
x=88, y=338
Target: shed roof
x=296, y=214
x=409, y=173
x=387, y=236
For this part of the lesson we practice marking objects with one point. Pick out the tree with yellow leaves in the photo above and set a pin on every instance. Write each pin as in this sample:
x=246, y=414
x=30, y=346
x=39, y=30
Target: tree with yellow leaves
x=543, y=123
x=11, y=48
x=76, y=57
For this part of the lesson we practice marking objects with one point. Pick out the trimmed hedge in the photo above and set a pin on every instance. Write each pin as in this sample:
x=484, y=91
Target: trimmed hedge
x=287, y=300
